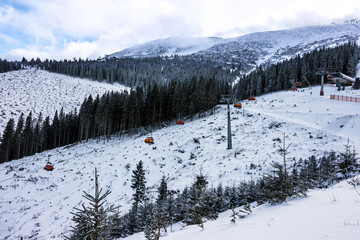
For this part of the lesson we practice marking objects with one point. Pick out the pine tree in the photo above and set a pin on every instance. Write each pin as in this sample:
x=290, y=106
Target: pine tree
x=219, y=203
x=6, y=146
x=18, y=137
x=327, y=169
x=45, y=134
x=159, y=214
x=201, y=203
x=234, y=215
x=28, y=133
x=348, y=162
x=212, y=95
x=55, y=127
x=138, y=185
x=92, y=222
x=170, y=207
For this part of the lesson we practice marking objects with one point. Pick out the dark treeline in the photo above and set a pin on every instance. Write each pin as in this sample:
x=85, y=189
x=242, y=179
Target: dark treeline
x=113, y=112
x=155, y=213
x=6, y=66
x=141, y=72
x=283, y=75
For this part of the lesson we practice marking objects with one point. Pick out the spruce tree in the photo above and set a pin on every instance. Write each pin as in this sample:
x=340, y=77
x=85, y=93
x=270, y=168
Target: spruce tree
x=28, y=133
x=92, y=222
x=138, y=185
x=159, y=214
x=201, y=203
x=6, y=146
x=18, y=136
x=348, y=162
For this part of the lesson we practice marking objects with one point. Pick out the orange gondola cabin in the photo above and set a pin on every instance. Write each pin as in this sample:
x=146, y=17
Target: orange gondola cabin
x=237, y=105
x=49, y=167
x=149, y=140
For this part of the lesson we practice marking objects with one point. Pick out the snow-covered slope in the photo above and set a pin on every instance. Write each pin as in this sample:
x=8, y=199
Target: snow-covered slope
x=41, y=91
x=251, y=49
x=37, y=203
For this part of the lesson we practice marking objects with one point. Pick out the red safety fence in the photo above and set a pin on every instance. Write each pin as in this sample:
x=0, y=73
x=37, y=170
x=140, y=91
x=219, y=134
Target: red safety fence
x=345, y=98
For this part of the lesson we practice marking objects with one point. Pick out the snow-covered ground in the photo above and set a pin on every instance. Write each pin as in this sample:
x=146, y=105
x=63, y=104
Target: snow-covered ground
x=41, y=91
x=37, y=203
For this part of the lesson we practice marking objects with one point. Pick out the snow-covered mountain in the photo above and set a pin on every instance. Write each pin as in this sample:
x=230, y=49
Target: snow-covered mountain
x=251, y=49
x=36, y=204
x=38, y=91
x=168, y=47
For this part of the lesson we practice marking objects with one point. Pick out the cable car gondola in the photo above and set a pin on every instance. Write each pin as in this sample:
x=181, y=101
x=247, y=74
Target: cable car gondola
x=149, y=140
x=237, y=105
x=180, y=122
x=49, y=166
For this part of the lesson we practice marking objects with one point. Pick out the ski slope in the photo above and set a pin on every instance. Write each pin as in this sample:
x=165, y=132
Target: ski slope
x=36, y=204
x=36, y=91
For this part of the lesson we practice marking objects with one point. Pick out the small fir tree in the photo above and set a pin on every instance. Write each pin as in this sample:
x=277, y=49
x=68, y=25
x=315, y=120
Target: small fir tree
x=92, y=223
x=201, y=203
x=348, y=162
x=139, y=197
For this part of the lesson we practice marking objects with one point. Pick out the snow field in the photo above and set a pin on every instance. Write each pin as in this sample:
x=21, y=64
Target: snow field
x=37, y=203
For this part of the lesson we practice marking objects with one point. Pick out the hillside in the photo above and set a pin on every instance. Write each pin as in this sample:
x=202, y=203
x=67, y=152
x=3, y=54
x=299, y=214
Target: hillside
x=246, y=52
x=41, y=91
x=37, y=204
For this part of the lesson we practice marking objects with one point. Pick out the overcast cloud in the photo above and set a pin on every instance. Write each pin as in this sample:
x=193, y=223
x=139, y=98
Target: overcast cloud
x=59, y=29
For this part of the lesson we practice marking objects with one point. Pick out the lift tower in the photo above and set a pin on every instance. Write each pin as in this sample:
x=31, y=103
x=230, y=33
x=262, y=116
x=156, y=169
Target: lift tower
x=322, y=71
x=227, y=98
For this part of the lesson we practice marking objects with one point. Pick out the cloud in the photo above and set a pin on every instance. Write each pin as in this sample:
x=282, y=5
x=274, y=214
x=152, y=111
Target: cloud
x=90, y=28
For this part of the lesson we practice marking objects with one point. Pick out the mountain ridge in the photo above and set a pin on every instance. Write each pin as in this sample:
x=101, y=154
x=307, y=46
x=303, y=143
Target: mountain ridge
x=250, y=50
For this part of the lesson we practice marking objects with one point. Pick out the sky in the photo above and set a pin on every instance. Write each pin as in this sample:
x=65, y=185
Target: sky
x=67, y=29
